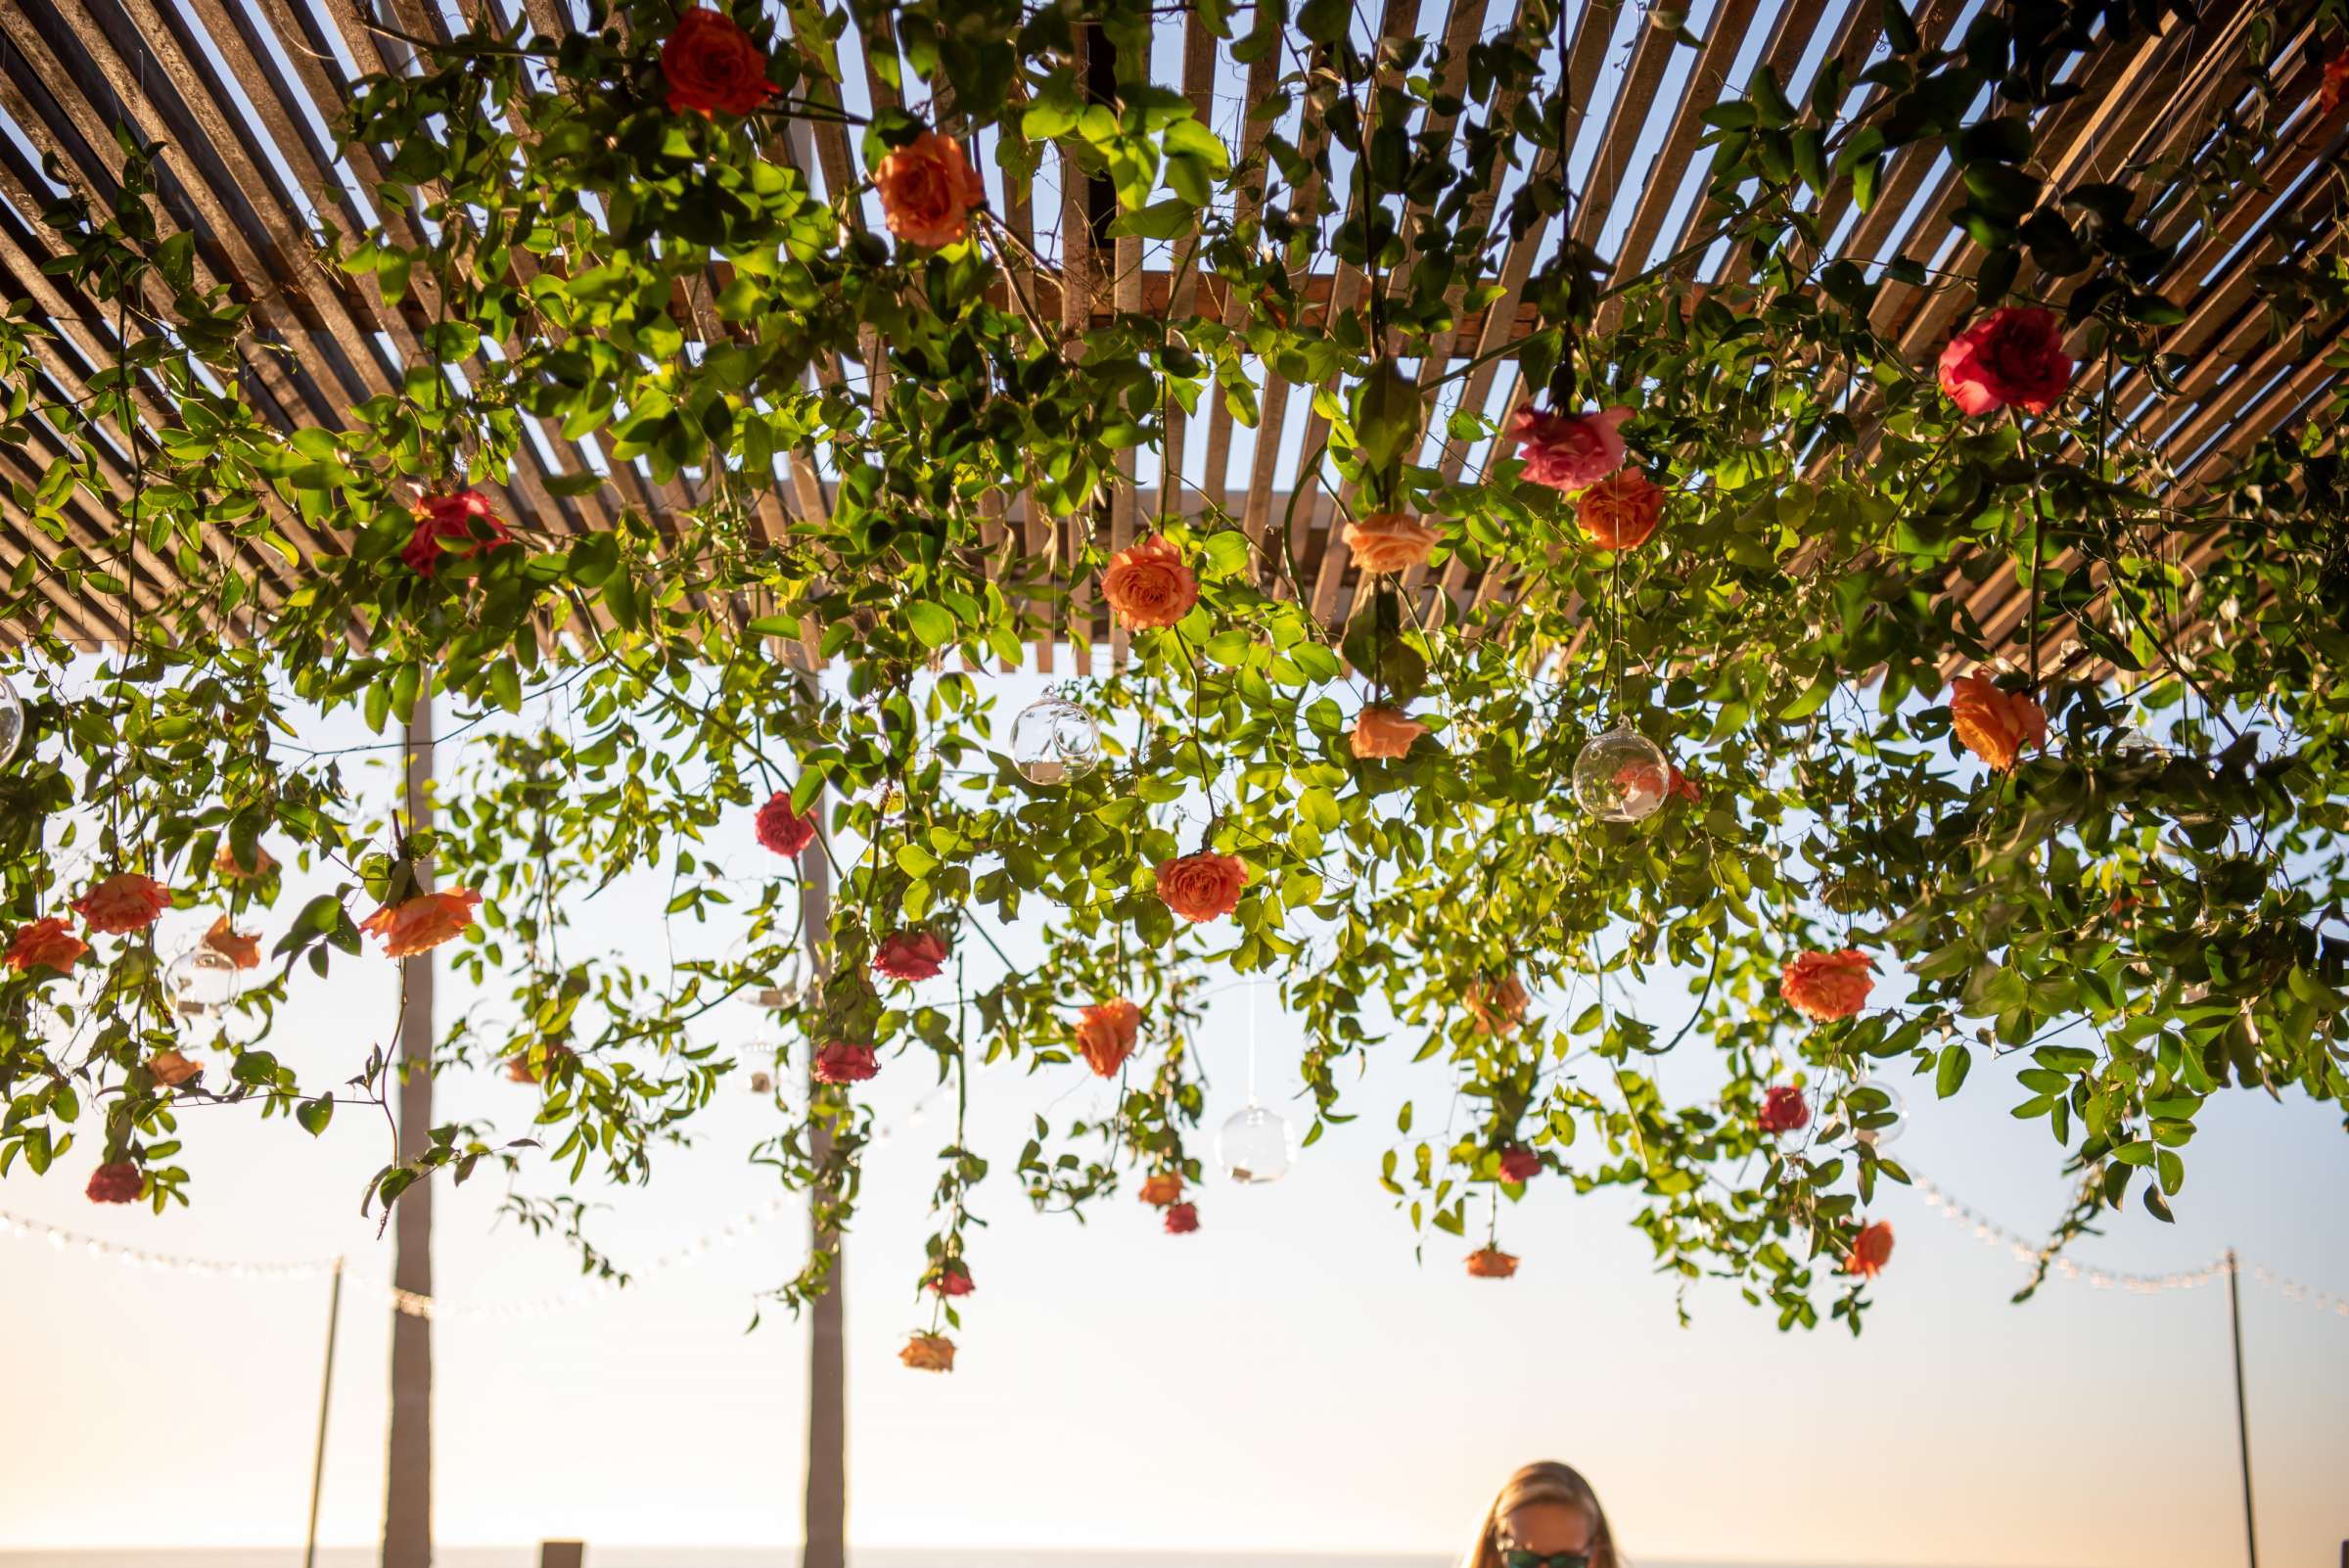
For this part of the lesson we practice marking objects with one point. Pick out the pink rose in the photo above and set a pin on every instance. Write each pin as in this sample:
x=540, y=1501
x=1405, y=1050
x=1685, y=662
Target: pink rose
x=1569, y=451
x=840, y=1062
x=2015, y=356
x=783, y=830
x=911, y=955
x=1784, y=1110
x=1519, y=1165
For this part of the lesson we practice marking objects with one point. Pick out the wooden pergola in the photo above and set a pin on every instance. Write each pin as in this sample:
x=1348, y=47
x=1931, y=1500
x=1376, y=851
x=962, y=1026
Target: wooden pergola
x=244, y=94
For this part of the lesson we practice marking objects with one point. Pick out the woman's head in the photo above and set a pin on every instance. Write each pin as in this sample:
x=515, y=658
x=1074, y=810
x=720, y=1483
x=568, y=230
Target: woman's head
x=1547, y=1516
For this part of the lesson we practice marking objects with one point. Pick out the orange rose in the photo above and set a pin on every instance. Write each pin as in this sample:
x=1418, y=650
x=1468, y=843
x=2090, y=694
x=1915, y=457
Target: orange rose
x=424, y=922
x=224, y=864
x=1683, y=786
x=1828, y=985
x=125, y=902
x=1491, y=1263
x=48, y=941
x=927, y=191
x=2335, y=90
x=1871, y=1249
x=1148, y=585
x=1386, y=542
x=241, y=950
x=172, y=1070
x=1497, y=1005
x=1162, y=1188
x=1995, y=725
x=712, y=64
x=1202, y=887
x=1619, y=511
x=1105, y=1034
x=1385, y=732
x=929, y=1352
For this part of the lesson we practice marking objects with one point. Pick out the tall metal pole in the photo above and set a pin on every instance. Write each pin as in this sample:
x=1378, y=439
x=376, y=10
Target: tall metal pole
x=2242, y=1419
x=825, y=1543
x=326, y=1403
x=408, y=1461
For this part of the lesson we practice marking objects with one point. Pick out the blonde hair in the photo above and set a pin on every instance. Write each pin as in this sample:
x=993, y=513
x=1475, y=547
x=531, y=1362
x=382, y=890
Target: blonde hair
x=1545, y=1481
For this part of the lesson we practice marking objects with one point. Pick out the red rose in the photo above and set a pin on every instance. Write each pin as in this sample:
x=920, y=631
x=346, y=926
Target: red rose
x=118, y=1182
x=783, y=830
x=1828, y=985
x=2335, y=90
x=1182, y=1218
x=453, y=524
x=2016, y=356
x=1519, y=1165
x=712, y=65
x=1784, y=1110
x=839, y=1062
x=953, y=1278
x=911, y=955
x=1871, y=1249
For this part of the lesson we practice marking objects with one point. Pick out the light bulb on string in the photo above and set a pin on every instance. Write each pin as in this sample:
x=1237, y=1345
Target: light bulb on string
x=1621, y=776
x=1878, y=1113
x=12, y=722
x=1055, y=742
x=201, y=982
x=1256, y=1144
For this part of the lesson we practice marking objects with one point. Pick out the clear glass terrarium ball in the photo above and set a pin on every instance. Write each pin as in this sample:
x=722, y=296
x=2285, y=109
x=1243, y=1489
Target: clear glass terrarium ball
x=1621, y=776
x=12, y=722
x=201, y=982
x=1256, y=1146
x=1879, y=1116
x=1055, y=742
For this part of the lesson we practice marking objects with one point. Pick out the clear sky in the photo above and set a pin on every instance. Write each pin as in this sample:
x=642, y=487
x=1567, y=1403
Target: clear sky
x=1286, y=1379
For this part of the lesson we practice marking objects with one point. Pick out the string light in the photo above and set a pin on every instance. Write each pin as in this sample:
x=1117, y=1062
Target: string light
x=1993, y=1234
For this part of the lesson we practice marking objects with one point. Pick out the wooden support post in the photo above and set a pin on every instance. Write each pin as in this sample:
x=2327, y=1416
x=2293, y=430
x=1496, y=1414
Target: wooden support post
x=408, y=1460
x=825, y=1543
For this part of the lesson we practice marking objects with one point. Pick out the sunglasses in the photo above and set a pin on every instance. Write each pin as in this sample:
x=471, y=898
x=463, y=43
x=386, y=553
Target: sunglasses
x=1519, y=1557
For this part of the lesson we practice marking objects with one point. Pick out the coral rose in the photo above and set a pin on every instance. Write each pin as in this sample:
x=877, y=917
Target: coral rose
x=1828, y=985
x=929, y=1352
x=783, y=830
x=123, y=903
x=1994, y=725
x=1519, y=1165
x=1148, y=585
x=928, y=189
x=453, y=525
x=224, y=863
x=1569, y=451
x=1620, y=511
x=237, y=948
x=2335, y=90
x=118, y=1182
x=953, y=1278
x=2015, y=356
x=1202, y=887
x=1182, y=1218
x=1683, y=786
x=1162, y=1188
x=712, y=67
x=1491, y=1263
x=1784, y=1110
x=911, y=955
x=172, y=1070
x=840, y=1062
x=1385, y=733
x=1871, y=1249
x=1386, y=542
x=423, y=922
x=48, y=941
x=1105, y=1034
x=1497, y=1005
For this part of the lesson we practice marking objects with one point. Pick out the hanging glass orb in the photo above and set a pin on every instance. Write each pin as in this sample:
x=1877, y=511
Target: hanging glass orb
x=1621, y=776
x=2139, y=745
x=1879, y=1116
x=1055, y=742
x=1256, y=1146
x=201, y=982
x=12, y=722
